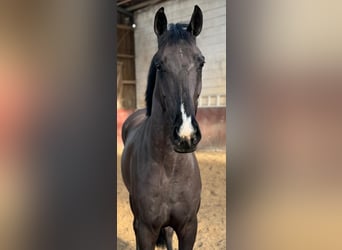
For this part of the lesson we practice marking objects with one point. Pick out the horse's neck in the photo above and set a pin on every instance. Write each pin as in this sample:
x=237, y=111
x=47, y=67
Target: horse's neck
x=159, y=131
x=160, y=146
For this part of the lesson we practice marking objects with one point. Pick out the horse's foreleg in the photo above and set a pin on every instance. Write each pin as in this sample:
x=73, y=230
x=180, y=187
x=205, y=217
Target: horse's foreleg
x=146, y=237
x=187, y=235
x=168, y=236
x=135, y=226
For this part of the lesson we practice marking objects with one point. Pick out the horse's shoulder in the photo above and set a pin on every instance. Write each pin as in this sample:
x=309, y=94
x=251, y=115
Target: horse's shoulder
x=133, y=122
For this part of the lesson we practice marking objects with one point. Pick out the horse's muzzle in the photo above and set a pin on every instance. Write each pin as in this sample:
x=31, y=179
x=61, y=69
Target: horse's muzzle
x=186, y=144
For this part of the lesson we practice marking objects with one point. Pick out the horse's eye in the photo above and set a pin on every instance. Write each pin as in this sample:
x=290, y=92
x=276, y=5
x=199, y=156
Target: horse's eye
x=158, y=66
x=201, y=61
x=200, y=66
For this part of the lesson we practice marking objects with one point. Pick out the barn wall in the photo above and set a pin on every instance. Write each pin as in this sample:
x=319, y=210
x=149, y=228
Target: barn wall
x=212, y=42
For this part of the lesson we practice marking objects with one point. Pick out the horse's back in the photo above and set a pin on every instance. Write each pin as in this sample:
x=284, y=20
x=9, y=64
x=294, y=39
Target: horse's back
x=132, y=122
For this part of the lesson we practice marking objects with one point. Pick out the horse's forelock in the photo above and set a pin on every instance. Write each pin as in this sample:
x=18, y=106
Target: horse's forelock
x=174, y=34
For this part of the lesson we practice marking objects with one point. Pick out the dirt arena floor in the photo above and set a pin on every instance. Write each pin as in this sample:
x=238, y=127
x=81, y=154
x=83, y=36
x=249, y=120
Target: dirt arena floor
x=211, y=232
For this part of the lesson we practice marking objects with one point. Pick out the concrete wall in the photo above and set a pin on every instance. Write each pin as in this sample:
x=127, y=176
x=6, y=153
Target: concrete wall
x=211, y=41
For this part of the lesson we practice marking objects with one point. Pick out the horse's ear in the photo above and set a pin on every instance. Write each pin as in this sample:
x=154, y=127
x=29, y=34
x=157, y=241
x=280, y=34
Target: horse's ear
x=196, y=22
x=160, y=22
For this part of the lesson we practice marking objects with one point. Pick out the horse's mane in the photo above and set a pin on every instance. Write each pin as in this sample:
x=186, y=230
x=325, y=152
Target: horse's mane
x=174, y=33
x=151, y=81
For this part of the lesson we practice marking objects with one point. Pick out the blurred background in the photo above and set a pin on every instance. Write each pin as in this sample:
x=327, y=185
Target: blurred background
x=285, y=126
x=49, y=99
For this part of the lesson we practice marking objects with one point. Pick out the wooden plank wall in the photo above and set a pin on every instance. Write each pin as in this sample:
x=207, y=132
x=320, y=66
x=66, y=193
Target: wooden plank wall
x=125, y=56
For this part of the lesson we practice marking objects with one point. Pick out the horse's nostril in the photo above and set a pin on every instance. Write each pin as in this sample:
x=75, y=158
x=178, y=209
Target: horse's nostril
x=194, y=140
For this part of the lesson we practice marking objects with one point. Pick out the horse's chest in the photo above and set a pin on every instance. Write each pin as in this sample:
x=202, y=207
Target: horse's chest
x=166, y=192
x=172, y=197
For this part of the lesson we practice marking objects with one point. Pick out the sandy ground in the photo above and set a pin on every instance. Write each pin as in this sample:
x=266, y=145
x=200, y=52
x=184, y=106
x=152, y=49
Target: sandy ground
x=212, y=214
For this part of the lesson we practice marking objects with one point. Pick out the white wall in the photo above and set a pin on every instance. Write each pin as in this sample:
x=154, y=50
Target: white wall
x=211, y=41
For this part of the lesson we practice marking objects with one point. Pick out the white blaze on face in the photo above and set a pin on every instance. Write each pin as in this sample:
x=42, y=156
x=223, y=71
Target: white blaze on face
x=186, y=129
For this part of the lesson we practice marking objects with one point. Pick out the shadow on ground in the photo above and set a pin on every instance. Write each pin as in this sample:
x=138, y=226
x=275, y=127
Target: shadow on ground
x=122, y=245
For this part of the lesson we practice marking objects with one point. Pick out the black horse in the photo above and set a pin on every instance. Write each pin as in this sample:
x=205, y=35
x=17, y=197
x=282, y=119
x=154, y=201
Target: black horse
x=159, y=167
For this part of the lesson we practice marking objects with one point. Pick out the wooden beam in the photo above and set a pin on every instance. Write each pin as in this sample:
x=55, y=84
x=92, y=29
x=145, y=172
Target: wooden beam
x=128, y=82
x=122, y=2
x=142, y=5
x=125, y=11
x=122, y=26
x=126, y=56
